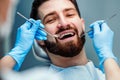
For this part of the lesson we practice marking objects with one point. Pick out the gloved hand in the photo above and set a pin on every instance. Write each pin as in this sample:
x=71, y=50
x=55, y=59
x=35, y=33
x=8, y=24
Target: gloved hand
x=25, y=37
x=102, y=37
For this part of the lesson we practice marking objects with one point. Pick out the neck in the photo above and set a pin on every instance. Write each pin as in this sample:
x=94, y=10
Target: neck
x=60, y=61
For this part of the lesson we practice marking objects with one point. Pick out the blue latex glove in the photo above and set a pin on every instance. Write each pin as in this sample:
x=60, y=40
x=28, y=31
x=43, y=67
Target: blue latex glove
x=25, y=37
x=102, y=37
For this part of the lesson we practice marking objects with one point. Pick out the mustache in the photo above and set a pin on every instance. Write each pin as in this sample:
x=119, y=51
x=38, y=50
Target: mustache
x=61, y=29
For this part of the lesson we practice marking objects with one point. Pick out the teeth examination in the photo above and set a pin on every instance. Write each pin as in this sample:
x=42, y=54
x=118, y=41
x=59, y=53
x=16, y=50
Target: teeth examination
x=59, y=40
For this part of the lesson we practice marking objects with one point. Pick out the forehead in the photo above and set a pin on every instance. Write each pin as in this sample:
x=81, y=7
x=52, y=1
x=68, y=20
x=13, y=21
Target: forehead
x=54, y=5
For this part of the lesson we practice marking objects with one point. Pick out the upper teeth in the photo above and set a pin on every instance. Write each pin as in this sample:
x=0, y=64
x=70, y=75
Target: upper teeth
x=61, y=36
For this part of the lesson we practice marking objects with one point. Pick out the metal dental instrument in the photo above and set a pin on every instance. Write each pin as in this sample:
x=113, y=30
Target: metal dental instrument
x=34, y=23
x=106, y=20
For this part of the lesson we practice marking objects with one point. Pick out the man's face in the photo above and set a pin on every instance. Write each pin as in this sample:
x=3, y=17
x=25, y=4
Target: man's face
x=61, y=18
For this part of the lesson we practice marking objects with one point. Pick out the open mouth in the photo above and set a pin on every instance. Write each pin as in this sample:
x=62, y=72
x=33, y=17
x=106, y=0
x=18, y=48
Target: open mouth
x=66, y=35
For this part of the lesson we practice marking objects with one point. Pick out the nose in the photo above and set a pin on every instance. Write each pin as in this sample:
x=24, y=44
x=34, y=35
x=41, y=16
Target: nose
x=63, y=22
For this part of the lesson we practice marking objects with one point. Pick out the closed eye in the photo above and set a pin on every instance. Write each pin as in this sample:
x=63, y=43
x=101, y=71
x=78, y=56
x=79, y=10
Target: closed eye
x=70, y=14
x=50, y=20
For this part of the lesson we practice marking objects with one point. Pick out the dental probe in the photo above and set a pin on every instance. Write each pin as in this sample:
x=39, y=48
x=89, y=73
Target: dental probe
x=109, y=18
x=34, y=23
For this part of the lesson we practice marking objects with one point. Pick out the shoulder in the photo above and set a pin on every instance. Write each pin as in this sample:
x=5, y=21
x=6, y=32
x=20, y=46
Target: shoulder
x=96, y=72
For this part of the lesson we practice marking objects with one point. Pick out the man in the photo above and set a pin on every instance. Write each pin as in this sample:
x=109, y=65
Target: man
x=66, y=52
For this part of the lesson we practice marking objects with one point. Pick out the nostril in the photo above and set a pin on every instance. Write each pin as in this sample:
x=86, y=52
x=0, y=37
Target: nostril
x=59, y=25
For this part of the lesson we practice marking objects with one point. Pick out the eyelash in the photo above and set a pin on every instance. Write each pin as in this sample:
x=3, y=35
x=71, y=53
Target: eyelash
x=70, y=14
x=51, y=20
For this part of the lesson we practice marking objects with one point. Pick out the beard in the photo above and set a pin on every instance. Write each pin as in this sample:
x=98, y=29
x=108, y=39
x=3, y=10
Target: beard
x=68, y=49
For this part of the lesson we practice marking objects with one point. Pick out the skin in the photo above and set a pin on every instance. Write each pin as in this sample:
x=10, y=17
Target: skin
x=56, y=17
x=112, y=70
x=6, y=61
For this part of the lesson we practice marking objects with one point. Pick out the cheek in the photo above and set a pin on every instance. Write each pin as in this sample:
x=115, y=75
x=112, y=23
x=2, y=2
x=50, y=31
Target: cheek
x=50, y=28
x=79, y=25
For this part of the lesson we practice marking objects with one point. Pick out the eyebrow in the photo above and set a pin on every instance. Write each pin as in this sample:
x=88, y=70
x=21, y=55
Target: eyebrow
x=68, y=9
x=52, y=13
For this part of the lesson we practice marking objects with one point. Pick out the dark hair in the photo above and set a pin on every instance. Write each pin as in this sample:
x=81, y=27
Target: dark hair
x=37, y=3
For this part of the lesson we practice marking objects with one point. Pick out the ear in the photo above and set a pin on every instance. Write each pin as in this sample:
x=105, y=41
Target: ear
x=83, y=23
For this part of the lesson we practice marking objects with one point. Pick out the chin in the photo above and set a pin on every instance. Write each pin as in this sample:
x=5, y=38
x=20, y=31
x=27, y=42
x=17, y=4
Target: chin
x=69, y=48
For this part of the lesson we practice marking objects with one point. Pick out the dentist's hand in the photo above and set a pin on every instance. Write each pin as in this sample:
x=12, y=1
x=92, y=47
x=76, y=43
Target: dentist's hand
x=25, y=37
x=102, y=37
